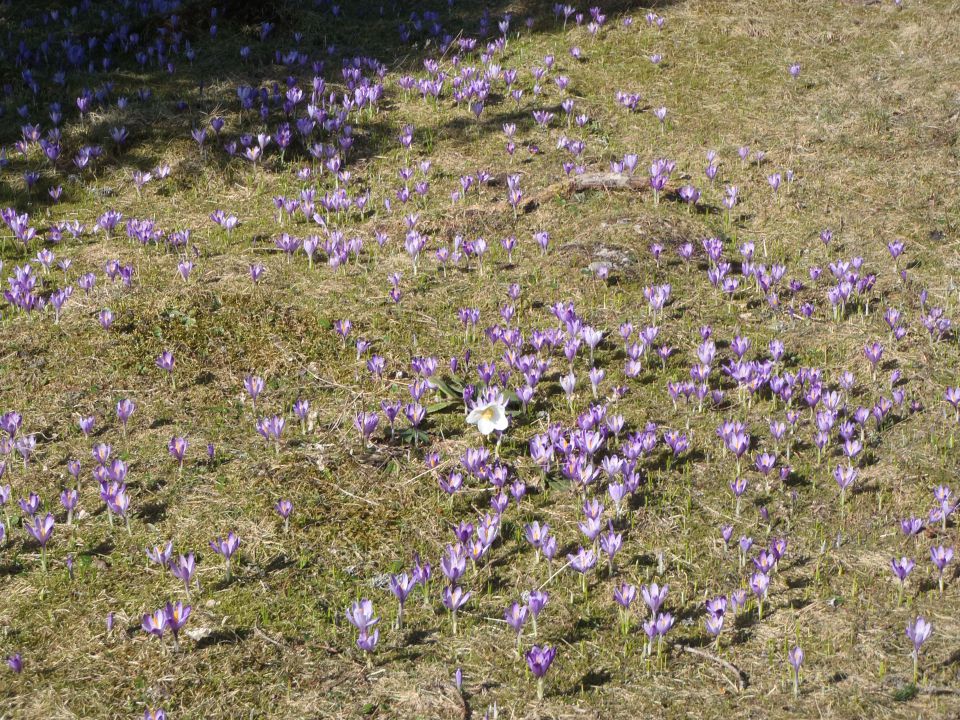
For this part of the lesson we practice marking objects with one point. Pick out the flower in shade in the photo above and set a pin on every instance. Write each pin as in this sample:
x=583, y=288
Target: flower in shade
x=15, y=663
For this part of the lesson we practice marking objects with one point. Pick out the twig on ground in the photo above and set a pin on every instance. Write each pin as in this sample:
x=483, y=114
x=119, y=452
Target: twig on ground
x=741, y=677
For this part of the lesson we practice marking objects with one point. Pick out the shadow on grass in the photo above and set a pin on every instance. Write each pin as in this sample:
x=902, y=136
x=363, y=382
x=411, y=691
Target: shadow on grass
x=304, y=40
x=224, y=637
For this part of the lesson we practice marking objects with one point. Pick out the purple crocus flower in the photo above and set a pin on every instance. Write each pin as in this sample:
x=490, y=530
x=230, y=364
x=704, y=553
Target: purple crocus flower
x=918, y=631
x=610, y=543
x=714, y=624
x=536, y=601
x=125, y=410
x=663, y=623
x=105, y=318
x=516, y=616
x=165, y=361
x=176, y=615
x=86, y=425
x=161, y=555
x=654, y=596
x=178, y=449
x=226, y=547
x=873, y=352
x=155, y=623
x=624, y=595
x=845, y=475
x=42, y=530
x=759, y=583
x=657, y=627
x=360, y=614
x=254, y=385
x=69, y=499
x=367, y=641
x=30, y=504
x=301, y=408
x=454, y=564
x=184, y=569
x=539, y=660
x=401, y=586
x=15, y=663
x=284, y=509
x=795, y=658
x=911, y=526
x=271, y=428
x=582, y=561
x=366, y=423
x=454, y=598
x=940, y=556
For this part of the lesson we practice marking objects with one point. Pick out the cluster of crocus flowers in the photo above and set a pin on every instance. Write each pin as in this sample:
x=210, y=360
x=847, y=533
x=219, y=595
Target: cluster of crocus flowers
x=172, y=617
x=360, y=615
x=659, y=623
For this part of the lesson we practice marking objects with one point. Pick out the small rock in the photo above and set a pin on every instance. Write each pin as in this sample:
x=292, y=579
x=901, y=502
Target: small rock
x=198, y=634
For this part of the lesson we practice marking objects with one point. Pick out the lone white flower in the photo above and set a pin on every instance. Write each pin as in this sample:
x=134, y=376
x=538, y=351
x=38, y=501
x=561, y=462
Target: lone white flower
x=489, y=415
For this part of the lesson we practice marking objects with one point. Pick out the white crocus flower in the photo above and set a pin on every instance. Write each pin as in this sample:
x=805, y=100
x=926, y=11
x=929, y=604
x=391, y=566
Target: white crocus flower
x=489, y=415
